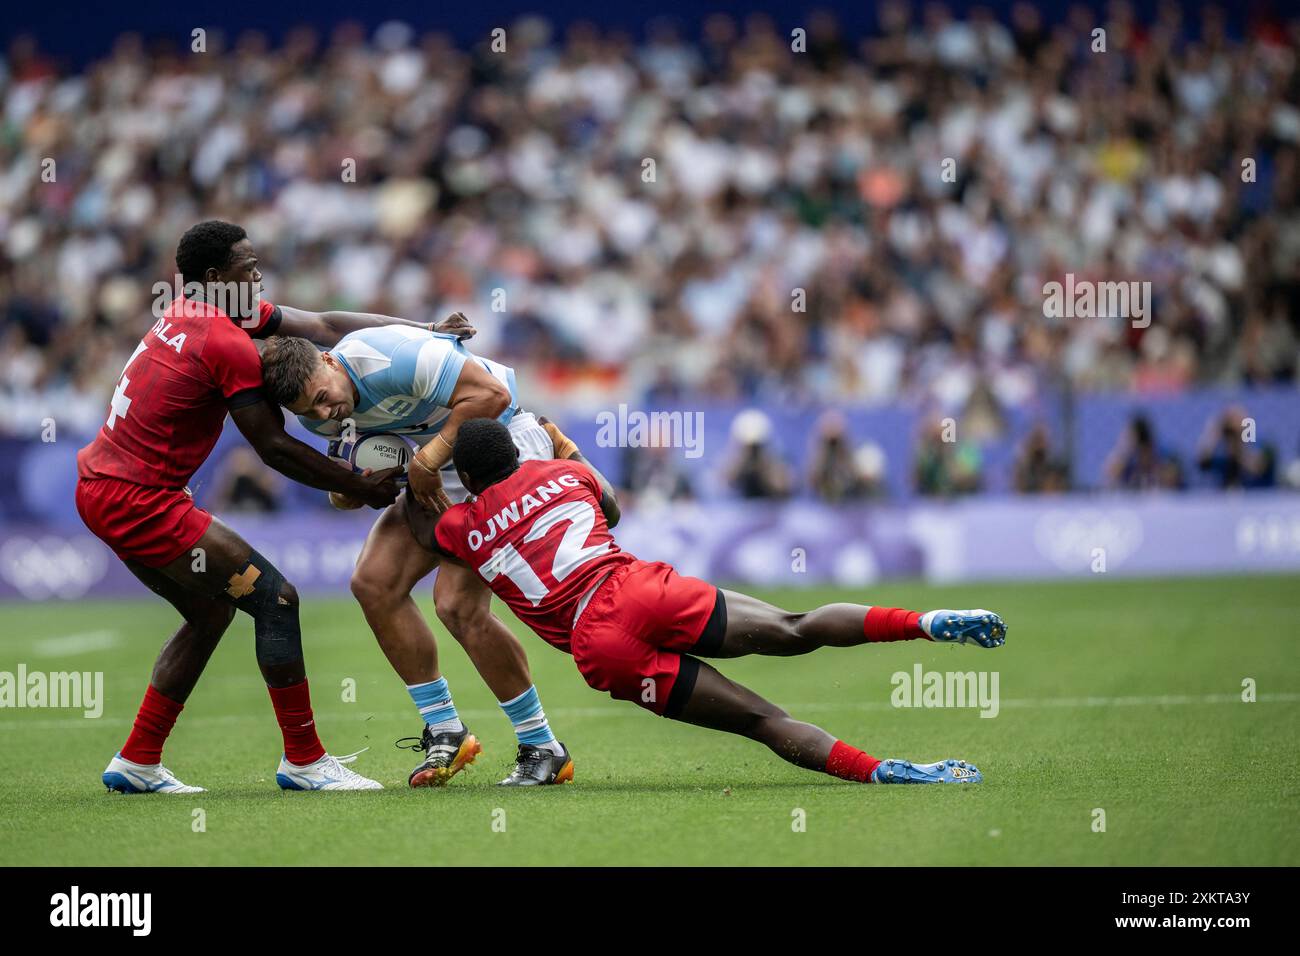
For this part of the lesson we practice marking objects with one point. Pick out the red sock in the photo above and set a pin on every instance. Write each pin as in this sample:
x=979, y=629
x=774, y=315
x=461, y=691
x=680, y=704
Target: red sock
x=849, y=763
x=153, y=722
x=893, y=624
x=293, y=711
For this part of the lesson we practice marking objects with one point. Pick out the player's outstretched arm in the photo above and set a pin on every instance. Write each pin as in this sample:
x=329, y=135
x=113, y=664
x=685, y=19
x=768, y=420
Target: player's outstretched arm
x=326, y=328
x=262, y=424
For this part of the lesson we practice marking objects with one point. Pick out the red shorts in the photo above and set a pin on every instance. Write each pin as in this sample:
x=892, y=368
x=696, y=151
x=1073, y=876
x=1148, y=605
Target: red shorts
x=153, y=526
x=630, y=638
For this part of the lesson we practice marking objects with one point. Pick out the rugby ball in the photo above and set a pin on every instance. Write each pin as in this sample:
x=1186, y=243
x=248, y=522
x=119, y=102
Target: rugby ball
x=377, y=452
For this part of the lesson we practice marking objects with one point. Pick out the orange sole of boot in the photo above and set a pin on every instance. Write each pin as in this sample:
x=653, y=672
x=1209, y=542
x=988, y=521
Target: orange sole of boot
x=438, y=776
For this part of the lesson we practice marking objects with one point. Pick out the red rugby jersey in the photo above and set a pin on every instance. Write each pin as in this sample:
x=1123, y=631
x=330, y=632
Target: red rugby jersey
x=194, y=365
x=539, y=540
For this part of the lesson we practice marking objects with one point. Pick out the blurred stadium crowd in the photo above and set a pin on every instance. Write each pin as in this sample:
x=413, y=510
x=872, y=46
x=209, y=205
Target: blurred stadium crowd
x=795, y=239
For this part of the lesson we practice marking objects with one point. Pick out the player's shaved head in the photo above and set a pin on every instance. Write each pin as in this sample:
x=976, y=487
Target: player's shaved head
x=484, y=453
x=207, y=245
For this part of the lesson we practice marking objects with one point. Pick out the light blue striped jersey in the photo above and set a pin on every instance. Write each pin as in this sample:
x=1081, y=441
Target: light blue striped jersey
x=404, y=378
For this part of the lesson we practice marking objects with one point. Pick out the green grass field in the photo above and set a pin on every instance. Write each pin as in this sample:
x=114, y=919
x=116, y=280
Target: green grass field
x=1118, y=695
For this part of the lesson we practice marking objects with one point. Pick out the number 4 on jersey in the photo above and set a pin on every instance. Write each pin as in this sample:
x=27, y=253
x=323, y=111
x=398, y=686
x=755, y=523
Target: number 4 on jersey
x=120, y=404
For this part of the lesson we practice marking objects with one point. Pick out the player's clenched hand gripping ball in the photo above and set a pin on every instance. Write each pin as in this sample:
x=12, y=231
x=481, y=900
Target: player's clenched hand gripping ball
x=377, y=452
x=383, y=489
x=380, y=458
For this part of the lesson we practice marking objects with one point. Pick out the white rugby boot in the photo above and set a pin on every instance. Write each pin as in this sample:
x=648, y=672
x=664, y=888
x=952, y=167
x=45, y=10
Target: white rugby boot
x=327, y=773
x=124, y=776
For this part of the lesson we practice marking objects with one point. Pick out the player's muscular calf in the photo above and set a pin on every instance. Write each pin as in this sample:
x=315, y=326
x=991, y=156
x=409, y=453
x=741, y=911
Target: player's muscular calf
x=719, y=703
x=186, y=653
x=756, y=627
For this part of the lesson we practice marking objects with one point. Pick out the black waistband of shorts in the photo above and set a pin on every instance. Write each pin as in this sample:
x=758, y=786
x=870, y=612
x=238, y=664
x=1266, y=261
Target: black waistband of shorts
x=715, y=629
x=687, y=674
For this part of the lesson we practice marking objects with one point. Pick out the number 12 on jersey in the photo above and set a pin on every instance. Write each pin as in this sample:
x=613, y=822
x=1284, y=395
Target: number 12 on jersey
x=569, y=555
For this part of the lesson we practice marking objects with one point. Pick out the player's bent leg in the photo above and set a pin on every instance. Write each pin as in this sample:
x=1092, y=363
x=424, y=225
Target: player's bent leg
x=391, y=563
x=756, y=627
x=261, y=591
x=224, y=566
x=464, y=606
x=719, y=703
x=183, y=657
x=137, y=767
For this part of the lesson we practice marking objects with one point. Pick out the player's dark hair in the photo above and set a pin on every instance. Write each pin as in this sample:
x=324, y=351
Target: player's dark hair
x=287, y=364
x=205, y=246
x=484, y=451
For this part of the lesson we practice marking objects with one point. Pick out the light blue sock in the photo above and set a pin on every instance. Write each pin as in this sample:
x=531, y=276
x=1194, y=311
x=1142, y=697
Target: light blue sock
x=531, y=727
x=433, y=700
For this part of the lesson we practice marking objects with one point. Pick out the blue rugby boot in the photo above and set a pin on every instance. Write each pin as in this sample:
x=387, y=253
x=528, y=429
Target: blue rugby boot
x=983, y=627
x=944, y=771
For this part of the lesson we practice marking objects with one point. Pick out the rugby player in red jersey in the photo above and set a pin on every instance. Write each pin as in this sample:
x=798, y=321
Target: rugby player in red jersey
x=196, y=364
x=538, y=535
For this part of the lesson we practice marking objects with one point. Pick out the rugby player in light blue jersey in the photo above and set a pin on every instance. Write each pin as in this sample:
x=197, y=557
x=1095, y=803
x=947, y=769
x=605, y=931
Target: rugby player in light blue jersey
x=423, y=385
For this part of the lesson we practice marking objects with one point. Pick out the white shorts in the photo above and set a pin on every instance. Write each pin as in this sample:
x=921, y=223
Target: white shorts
x=531, y=439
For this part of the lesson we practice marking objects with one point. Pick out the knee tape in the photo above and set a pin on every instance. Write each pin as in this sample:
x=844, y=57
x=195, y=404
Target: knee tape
x=261, y=592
